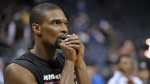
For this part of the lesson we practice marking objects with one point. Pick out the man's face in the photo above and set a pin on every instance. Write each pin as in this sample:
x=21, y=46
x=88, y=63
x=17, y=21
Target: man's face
x=54, y=28
x=125, y=65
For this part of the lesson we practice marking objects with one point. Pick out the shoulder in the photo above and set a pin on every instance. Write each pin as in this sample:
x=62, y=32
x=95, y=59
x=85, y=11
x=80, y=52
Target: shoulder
x=24, y=61
x=16, y=74
x=112, y=81
x=137, y=80
x=117, y=76
x=27, y=60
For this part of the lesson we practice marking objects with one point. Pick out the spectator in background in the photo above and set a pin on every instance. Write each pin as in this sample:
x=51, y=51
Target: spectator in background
x=19, y=32
x=81, y=6
x=109, y=33
x=81, y=23
x=93, y=74
x=128, y=48
x=1, y=71
x=3, y=39
x=144, y=73
x=96, y=34
x=123, y=74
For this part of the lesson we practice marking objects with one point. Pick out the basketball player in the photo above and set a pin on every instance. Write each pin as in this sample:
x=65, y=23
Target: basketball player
x=56, y=58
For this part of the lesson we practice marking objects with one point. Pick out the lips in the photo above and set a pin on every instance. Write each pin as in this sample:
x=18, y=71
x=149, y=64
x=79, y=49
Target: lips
x=63, y=37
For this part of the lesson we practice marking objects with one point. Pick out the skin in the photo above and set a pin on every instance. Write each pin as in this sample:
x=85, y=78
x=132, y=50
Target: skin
x=147, y=52
x=47, y=40
x=126, y=66
x=73, y=41
x=148, y=41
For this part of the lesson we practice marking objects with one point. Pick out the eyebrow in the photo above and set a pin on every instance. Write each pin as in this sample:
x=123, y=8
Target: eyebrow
x=61, y=20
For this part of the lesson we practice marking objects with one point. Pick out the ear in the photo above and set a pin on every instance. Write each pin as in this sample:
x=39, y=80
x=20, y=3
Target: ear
x=36, y=28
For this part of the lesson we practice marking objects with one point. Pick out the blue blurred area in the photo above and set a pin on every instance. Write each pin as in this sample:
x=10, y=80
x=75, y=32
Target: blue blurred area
x=108, y=28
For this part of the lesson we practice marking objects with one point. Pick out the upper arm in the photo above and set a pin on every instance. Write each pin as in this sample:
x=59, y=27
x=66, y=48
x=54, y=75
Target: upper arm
x=16, y=74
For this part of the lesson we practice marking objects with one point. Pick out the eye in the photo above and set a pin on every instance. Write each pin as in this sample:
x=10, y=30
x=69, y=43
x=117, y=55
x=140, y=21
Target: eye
x=66, y=23
x=56, y=22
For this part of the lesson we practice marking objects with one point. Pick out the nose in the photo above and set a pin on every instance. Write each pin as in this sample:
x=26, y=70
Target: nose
x=64, y=29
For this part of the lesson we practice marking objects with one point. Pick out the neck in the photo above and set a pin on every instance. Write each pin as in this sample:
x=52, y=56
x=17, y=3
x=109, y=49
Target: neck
x=44, y=52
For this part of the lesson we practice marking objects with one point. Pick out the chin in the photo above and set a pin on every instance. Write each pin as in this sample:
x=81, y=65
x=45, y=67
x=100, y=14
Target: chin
x=57, y=45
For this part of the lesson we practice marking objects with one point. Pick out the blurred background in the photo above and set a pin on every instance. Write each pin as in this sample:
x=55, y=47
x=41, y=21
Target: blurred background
x=108, y=28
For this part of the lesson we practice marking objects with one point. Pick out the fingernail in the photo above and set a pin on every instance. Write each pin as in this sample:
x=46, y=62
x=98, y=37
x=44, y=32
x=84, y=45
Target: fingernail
x=67, y=42
x=68, y=35
x=66, y=39
x=70, y=45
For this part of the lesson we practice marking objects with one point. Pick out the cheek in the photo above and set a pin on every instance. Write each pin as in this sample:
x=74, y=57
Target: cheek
x=50, y=35
x=123, y=67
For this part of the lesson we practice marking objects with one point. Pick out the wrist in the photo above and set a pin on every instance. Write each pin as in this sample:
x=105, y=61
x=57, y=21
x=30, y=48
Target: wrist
x=69, y=62
x=79, y=63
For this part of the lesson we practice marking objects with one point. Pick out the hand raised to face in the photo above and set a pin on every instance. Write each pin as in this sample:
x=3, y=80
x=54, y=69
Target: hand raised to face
x=74, y=42
x=68, y=52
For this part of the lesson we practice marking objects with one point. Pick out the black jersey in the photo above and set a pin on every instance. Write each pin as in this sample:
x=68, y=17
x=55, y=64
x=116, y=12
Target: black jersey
x=45, y=72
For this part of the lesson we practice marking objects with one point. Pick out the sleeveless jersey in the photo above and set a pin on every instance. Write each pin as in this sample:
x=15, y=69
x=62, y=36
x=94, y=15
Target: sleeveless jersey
x=45, y=72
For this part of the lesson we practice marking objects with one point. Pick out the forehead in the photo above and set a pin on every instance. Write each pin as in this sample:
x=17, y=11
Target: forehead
x=55, y=14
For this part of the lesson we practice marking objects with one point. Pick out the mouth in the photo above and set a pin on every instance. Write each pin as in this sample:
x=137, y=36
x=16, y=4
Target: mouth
x=62, y=37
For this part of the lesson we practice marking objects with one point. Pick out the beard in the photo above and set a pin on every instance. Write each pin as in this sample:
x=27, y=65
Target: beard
x=54, y=44
x=57, y=44
x=59, y=40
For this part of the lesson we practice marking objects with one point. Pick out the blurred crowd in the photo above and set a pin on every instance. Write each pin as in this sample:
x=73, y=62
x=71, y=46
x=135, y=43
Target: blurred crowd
x=114, y=47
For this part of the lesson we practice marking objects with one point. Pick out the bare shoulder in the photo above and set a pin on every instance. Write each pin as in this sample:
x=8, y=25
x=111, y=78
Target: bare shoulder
x=16, y=74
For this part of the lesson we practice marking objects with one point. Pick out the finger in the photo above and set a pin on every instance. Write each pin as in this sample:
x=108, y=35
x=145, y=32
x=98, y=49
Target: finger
x=63, y=44
x=73, y=35
x=72, y=38
x=74, y=42
x=76, y=47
